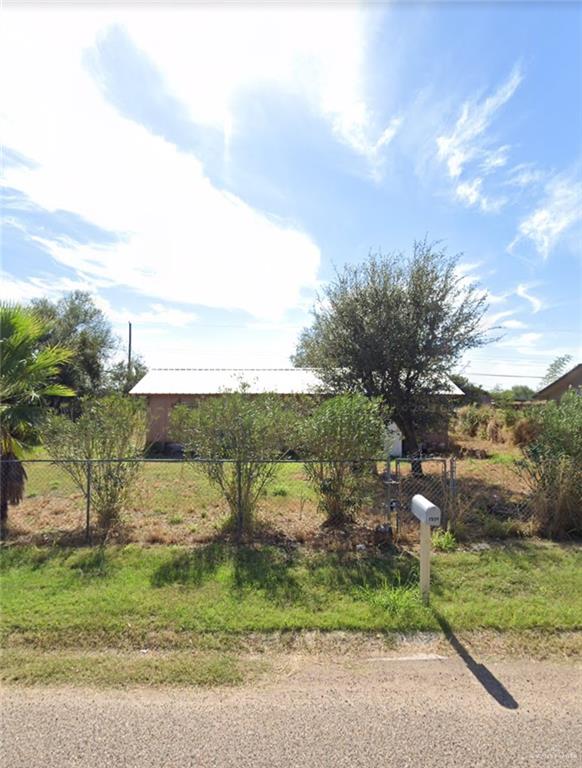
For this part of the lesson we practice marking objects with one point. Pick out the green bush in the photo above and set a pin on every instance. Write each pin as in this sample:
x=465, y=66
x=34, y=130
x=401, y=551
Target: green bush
x=242, y=436
x=468, y=420
x=342, y=437
x=108, y=430
x=444, y=541
x=552, y=466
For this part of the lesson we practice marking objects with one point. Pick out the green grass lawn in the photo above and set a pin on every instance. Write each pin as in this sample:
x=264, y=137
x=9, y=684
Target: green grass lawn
x=133, y=597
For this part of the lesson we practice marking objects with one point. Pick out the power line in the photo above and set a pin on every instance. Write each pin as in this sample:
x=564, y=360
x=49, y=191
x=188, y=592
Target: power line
x=503, y=375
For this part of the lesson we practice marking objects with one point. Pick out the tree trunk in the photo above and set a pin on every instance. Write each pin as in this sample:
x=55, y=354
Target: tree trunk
x=412, y=448
x=3, y=499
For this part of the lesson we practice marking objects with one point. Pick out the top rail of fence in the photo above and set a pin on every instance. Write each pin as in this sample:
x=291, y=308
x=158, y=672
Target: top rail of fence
x=198, y=460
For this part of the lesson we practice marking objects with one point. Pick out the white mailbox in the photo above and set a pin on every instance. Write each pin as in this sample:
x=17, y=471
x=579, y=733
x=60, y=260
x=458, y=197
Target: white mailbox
x=425, y=510
x=428, y=514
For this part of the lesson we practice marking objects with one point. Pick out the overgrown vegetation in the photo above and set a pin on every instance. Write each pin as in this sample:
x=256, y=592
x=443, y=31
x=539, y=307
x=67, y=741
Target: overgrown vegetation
x=29, y=374
x=346, y=427
x=499, y=423
x=109, y=433
x=242, y=436
x=552, y=466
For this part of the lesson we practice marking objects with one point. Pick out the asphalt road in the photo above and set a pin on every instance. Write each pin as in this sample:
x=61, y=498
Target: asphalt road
x=364, y=712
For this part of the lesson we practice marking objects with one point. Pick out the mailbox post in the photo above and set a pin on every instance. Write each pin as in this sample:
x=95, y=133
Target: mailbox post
x=429, y=515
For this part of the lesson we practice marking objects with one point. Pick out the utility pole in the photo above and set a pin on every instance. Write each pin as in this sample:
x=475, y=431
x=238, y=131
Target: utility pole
x=129, y=357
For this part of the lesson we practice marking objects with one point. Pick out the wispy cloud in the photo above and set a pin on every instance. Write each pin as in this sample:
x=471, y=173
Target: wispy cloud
x=513, y=324
x=497, y=316
x=22, y=291
x=468, y=140
x=557, y=213
x=523, y=291
x=156, y=314
x=469, y=193
x=524, y=175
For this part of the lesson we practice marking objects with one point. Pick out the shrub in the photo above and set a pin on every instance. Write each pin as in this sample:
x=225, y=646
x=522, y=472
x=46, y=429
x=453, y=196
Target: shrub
x=494, y=430
x=242, y=436
x=468, y=420
x=524, y=431
x=343, y=436
x=109, y=430
x=552, y=467
x=444, y=541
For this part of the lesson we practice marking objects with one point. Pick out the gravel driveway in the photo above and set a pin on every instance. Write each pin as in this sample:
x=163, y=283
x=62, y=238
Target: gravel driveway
x=383, y=711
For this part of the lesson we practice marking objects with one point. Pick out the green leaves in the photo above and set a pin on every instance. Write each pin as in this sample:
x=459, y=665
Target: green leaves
x=246, y=431
x=393, y=327
x=27, y=374
x=346, y=427
x=342, y=436
x=108, y=430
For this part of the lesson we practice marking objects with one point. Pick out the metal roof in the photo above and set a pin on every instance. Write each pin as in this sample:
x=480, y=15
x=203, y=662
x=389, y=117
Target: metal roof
x=574, y=373
x=213, y=381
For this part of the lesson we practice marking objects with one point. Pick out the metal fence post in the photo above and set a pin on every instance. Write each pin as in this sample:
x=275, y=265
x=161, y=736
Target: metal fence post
x=453, y=488
x=88, y=504
x=239, y=504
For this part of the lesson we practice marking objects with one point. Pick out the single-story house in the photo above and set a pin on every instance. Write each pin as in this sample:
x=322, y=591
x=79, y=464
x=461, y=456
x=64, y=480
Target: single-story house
x=163, y=388
x=572, y=379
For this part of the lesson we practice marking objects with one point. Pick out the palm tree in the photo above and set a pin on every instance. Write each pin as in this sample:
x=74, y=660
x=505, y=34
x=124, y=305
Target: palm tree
x=27, y=373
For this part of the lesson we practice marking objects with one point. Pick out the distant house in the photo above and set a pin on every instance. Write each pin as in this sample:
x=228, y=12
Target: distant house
x=570, y=380
x=163, y=388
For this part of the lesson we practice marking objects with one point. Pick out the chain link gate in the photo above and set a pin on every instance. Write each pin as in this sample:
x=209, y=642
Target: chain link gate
x=434, y=478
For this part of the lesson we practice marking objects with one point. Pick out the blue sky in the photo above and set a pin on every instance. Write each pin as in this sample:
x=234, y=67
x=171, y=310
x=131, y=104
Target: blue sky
x=203, y=171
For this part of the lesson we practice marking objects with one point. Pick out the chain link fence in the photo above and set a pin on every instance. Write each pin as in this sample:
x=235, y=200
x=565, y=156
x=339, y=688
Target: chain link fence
x=167, y=501
x=173, y=501
x=476, y=496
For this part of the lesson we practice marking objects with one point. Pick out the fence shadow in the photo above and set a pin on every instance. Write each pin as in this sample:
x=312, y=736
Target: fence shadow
x=480, y=672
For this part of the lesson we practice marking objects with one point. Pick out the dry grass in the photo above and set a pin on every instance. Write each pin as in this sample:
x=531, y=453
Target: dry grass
x=175, y=504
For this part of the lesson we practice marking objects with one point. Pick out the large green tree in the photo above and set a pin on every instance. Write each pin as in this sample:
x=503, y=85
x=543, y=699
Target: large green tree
x=76, y=323
x=394, y=327
x=29, y=372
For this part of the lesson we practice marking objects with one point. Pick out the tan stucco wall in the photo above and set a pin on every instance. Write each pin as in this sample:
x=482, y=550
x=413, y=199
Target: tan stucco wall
x=159, y=409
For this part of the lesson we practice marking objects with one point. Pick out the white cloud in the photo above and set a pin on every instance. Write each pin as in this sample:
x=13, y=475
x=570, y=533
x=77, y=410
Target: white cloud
x=21, y=291
x=495, y=158
x=523, y=291
x=467, y=140
x=496, y=298
x=556, y=214
x=470, y=194
x=316, y=54
x=526, y=340
x=157, y=314
x=524, y=175
x=183, y=239
x=491, y=321
x=513, y=324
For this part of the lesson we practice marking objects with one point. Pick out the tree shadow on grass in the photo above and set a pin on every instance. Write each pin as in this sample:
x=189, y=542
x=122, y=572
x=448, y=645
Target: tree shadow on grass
x=284, y=575
x=345, y=572
x=192, y=567
x=482, y=674
x=264, y=569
